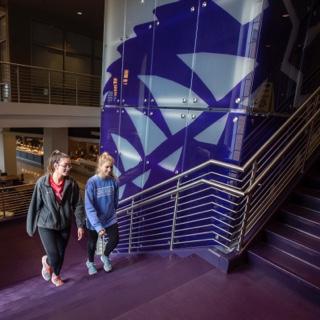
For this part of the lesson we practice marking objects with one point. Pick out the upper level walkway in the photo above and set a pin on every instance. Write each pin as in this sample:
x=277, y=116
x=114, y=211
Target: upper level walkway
x=32, y=96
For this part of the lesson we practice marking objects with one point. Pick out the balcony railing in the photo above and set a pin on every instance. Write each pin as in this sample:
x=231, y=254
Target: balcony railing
x=15, y=200
x=30, y=84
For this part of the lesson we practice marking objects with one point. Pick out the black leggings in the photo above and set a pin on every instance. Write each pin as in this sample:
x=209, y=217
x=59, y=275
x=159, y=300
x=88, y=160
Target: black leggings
x=54, y=243
x=113, y=240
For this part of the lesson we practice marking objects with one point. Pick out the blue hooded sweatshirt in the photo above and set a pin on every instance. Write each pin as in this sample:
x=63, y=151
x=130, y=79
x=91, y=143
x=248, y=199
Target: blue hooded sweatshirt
x=101, y=201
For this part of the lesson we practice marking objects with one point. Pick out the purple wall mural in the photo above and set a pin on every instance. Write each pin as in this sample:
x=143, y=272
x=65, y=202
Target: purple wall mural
x=188, y=81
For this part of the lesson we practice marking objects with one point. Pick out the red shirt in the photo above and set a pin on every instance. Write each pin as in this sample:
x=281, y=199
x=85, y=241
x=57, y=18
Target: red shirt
x=57, y=188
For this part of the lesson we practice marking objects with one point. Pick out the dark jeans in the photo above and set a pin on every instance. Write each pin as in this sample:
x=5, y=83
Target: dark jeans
x=113, y=240
x=54, y=243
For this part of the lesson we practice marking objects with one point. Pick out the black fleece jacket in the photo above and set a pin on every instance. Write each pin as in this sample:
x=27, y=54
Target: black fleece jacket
x=44, y=211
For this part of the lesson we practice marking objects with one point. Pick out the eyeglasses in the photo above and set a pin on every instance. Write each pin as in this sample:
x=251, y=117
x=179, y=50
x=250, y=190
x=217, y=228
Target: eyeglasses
x=66, y=166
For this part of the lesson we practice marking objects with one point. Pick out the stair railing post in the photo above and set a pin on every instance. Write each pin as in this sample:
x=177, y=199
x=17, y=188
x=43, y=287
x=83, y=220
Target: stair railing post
x=248, y=205
x=131, y=223
x=174, y=218
x=309, y=135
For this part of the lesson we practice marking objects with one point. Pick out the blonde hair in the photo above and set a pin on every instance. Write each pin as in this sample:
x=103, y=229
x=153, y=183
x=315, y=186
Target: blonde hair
x=103, y=158
x=55, y=157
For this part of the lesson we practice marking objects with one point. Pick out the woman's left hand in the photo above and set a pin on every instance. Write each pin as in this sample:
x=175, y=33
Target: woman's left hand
x=80, y=233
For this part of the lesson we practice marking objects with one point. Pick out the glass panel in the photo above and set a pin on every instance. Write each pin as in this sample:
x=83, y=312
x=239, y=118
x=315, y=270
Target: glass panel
x=139, y=30
x=209, y=136
x=131, y=145
x=112, y=69
x=175, y=30
x=165, y=140
x=110, y=122
x=222, y=62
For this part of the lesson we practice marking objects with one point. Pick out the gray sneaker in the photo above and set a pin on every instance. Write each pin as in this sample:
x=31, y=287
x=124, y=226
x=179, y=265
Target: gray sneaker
x=46, y=271
x=106, y=263
x=91, y=268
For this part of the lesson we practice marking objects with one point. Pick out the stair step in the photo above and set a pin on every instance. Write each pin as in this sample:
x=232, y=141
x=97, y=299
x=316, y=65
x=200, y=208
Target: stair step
x=302, y=218
x=289, y=267
x=312, y=180
x=306, y=197
x=295, y=242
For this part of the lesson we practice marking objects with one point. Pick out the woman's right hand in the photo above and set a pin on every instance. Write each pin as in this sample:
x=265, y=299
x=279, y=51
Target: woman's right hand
x=102, y=232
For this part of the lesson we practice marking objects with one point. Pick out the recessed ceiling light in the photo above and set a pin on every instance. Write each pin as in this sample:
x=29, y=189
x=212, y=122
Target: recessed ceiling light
x=79, y=13
x=285, y=15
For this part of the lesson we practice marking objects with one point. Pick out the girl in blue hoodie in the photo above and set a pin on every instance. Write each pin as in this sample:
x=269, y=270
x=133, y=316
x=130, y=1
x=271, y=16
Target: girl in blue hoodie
x=101, y=200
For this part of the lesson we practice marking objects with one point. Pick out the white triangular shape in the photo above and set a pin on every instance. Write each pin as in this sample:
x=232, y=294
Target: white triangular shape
x=128, y=154
x=168, y=93
x=141, y=180
x=213, y=133
x=154, y=137
x=141, y=12
x=116, y=171
x=242, y=10
x=219, y=72
x=121, y=191
x=170, y=163
x=173, y=120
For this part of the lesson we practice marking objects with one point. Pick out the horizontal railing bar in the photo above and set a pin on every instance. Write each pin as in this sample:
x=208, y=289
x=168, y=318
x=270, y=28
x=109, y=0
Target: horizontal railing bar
x=201, y=226
x=48, y=69
x=274, y=161
x=210, y=195
x=210, y=210
x=279, y=131
x=202, y=240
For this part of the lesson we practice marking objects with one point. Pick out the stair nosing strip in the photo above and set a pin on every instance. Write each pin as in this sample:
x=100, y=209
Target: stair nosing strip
x=301, y=206
x=281, y=268
x=302, y=217
x=295, y=257
x=291, y=240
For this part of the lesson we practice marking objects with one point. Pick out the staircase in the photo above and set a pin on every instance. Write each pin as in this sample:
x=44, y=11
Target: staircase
x=290, y=244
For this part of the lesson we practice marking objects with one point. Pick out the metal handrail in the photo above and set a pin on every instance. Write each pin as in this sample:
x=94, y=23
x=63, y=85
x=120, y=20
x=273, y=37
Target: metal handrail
x=226, y=165
x=281, y=151
x=34, y=84
x=274, y=161
x=14, y=200
x=185, y=173
x=50, y=69
x=277, y=133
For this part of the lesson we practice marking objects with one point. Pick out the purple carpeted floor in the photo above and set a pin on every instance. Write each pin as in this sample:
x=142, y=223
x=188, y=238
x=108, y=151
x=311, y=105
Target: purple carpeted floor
x=144, y=287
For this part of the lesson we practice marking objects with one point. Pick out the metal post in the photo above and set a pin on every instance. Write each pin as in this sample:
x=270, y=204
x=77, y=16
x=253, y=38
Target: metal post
x=174, y=218
x=247, y=206
x=49, y=86
x=3, y=204
x=18, y=83
x=131, y=226
x=76, y=91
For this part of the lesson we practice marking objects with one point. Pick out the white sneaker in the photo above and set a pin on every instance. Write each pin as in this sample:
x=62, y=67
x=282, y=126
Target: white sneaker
x=91, y=268
x=106, y=263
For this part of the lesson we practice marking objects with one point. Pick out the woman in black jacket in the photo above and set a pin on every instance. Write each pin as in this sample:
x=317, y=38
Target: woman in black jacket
x=55, y=198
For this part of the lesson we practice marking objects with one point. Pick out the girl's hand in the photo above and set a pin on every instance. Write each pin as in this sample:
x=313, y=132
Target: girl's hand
x=80, y=233
x=102, y=232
